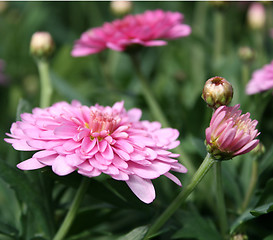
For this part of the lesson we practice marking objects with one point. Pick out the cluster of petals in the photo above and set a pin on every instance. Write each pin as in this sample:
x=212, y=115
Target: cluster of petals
x=94, y=140
x=262, y=80
x=231, y=134
x=147, y=29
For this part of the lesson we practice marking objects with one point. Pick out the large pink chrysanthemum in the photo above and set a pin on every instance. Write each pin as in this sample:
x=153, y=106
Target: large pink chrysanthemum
x=147, y=29
x=262, y=80
x=94, y=140
x=231, y=134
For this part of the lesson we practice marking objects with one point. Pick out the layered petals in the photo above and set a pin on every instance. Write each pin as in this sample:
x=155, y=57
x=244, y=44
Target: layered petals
x=231, y=134
x=262, y=80
x=147, y=29
x=95, y=140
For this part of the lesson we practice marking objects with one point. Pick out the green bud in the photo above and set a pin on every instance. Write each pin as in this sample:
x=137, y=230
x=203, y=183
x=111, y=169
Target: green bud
x=41, y=45
x=217, y=92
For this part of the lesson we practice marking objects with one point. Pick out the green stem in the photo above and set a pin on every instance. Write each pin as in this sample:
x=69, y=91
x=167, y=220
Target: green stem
x=180, y=199
x=221, y=207
x=157, y=112
x=148, y=95
x=63, y=230
x=218, y=34
x=252, y=184
x=46, y=88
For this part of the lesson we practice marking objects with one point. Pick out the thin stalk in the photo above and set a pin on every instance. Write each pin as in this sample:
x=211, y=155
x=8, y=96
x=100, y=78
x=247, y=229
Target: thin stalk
x=180, y=199
x=221, y=207
x=63, y=230
x=157, y=112
x=46, y=88
x=148, y=95
x=252, y=184
x=218, y=35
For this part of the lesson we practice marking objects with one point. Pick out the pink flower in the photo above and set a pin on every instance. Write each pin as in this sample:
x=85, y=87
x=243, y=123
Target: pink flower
x=147, y=29
x=231, y=134
x=94, y=140
x=261, y=80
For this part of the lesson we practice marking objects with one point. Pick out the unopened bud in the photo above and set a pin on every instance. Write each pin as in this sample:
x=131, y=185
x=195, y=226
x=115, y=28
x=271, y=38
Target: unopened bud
x=121, y=8
x=217, y=92
x=41, y=45
x=256, y=15
x=239, y=237
x=246, y=54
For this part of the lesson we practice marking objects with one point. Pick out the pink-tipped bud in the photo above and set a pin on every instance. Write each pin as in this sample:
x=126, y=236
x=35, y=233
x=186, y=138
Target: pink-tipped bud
x=231, y=134
x=217, y=92
x=256, y=15
x=41, y=45
x=121, y=8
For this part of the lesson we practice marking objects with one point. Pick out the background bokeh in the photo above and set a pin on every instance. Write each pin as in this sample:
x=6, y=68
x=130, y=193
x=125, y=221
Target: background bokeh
x=177, y=73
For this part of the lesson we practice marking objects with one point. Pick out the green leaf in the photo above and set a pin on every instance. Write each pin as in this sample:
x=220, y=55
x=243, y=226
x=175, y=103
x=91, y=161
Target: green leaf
x=8, y=230
x=193, y=221
x=136, y=234
x=261, y=210
x=27, y=194
x=270, y=237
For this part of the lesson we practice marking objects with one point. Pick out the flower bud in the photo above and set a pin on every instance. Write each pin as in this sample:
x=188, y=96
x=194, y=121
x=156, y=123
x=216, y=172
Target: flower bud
x=41, y=45
x=246, y=54
x=256, y=15
x=239, y=237
x=231, y=133
x=217, y=92
x=121, y=8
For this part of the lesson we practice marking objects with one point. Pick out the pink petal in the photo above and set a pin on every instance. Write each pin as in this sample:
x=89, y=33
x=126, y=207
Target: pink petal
x=142, y=188
x=173, y=178
x=61, y=168
x=30, y=164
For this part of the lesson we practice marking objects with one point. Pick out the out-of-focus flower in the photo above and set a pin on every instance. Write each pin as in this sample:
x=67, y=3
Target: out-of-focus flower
x=217, y=92
x=246, y=54
x=256, y=15
x=94, y=140
x=3, y=77
x=261, y=80
x=121, y=8
x=231, y=134
x=147, y=29
x=41, y=45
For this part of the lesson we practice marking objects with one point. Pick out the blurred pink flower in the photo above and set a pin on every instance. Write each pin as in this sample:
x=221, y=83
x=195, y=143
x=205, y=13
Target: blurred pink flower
x=231, y=134
x=94, y=140
x=147, y=29
x=261, y=80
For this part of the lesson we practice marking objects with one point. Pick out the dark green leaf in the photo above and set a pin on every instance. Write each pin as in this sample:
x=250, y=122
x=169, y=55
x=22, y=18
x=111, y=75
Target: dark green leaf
x=136, y=234
x=264, y=209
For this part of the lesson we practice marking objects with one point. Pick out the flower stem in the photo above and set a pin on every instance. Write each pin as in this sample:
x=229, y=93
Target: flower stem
x=149, y=97
x=63, y=230
x=221, y=208
x=180, y=199
x=156, y=110
x=46, y=88
x=252, y=184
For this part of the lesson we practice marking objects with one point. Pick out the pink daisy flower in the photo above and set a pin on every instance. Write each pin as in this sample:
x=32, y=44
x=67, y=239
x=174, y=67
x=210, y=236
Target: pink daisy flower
x=262, y=80
x=231, y=134
x=94, y=140
x=147, y=29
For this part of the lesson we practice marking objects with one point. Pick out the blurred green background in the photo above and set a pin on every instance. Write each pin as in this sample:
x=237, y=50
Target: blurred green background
x=176, y=73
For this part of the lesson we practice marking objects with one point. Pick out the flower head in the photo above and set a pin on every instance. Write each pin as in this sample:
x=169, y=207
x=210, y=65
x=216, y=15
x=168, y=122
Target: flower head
x=262, y=80
x=147, y=29
x=231, y=134
x=94, y=140
x=217, y=92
